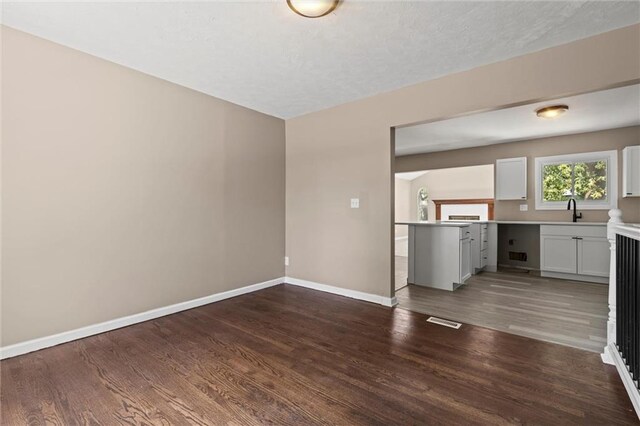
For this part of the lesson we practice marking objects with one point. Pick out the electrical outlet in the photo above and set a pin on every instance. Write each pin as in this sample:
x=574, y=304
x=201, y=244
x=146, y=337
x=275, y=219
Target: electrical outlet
x=286, y=261
x=355, y=203
x=524, y=207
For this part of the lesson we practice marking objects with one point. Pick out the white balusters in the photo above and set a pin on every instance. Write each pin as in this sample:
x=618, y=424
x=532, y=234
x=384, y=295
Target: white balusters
x=615, y=218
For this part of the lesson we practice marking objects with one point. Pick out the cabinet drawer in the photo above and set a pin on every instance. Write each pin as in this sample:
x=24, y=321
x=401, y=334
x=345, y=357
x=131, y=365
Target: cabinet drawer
x=465, y=232
x=484, y=243
x=483, y=258
x=574, y=230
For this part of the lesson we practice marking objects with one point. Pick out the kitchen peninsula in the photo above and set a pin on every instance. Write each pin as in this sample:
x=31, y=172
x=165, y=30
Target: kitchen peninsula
x=445, y=254
x=439, y=254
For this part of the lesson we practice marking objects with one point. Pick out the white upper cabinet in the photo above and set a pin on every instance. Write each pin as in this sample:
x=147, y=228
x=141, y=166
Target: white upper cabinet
x=511, y=179
x=631, y=171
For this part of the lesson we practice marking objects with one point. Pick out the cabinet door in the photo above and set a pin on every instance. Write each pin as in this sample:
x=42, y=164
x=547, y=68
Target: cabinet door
x=511, y=179
x=631, y=171
x=476, y=242
x=593, y=256
x=465, y=259
x=558, y=253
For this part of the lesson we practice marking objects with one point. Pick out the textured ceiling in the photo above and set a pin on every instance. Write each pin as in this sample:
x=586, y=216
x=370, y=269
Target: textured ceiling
x=263, y=56
x=589, y=112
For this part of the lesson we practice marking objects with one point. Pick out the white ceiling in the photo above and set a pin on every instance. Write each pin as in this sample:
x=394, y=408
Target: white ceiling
x=607, y=109
x=263, y=56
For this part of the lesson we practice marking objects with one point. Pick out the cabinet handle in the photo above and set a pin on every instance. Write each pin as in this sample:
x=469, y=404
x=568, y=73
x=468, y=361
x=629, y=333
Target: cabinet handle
x=576, y=238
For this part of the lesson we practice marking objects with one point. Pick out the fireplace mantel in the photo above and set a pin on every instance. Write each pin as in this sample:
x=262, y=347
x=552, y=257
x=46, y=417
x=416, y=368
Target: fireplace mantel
x=487, y=201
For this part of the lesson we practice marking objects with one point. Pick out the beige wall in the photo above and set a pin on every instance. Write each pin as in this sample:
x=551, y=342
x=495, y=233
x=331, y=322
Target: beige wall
x=510, y=210
x=453, y=184
x=122, y=192
x=345, y=151
x=403, y=205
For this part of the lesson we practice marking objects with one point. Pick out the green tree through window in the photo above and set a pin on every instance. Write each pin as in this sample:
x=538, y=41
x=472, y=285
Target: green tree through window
x=581, y=180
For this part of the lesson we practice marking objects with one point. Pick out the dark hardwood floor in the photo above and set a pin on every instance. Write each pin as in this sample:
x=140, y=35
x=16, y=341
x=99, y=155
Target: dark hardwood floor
x=288, y=355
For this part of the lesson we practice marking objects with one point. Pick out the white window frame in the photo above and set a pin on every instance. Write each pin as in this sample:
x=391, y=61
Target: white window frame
x=612, y=180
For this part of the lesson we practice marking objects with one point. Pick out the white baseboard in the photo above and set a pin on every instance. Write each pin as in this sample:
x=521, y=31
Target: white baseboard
x=627, y=380
x=574, y=277
x=79, y=333
x=606, y=356
x=368, y=297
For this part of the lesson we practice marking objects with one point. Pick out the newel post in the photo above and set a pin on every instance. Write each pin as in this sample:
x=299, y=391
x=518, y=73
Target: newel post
x=615, y=219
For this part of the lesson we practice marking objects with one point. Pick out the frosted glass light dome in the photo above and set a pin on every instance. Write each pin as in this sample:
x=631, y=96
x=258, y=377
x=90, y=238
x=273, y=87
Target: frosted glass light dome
x=312, y=8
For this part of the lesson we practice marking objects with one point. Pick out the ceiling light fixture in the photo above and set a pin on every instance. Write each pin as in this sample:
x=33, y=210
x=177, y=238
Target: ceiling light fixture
x=312, y=8
x=553, y=111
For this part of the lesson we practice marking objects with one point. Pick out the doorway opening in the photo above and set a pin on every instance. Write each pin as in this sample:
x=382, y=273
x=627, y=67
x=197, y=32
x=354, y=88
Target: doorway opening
x=530, y=269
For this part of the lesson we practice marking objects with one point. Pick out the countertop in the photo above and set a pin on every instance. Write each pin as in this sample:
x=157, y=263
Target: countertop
x=542, y=222
x=437, y=223
x=460, y=223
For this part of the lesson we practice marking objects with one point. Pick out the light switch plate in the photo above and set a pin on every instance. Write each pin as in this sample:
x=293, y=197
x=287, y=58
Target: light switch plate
x=286, y=261
x=355, y=203
x=524, y=207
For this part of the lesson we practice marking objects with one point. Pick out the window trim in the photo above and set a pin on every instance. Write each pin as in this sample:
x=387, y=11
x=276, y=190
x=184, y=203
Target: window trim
x=612, y=180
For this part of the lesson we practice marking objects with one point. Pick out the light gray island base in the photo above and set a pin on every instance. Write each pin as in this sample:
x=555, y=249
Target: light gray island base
x=439, y=254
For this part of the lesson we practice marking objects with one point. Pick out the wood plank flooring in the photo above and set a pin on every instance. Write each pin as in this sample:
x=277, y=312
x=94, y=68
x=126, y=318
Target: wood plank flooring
x=566, y=312
x=289, y=355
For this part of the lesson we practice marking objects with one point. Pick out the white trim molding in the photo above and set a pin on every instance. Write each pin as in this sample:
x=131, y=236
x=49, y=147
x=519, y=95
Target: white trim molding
x=611, y=354
x=626, y=378
x=615, y=220
x=367, y=297
x=612, y=180
x=90, y=330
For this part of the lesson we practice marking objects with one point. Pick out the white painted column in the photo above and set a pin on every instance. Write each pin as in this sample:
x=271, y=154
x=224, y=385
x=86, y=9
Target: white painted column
x=615, y=218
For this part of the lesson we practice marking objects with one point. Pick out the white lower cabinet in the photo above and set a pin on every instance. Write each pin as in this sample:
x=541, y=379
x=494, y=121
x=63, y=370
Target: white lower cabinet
x=593, y=256
x=574, y=252
x=465, y=259
x=439, y=256
x=482, y=247
x=558, y=254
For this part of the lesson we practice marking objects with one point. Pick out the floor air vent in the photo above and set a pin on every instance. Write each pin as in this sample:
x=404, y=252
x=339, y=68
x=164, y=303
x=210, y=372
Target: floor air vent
x=444, y=322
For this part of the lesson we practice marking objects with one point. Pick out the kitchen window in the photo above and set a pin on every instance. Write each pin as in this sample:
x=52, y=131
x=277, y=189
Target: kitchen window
x=590, y=178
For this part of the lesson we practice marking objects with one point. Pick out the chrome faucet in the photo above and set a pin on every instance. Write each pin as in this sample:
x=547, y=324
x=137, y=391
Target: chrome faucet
x=576, y=216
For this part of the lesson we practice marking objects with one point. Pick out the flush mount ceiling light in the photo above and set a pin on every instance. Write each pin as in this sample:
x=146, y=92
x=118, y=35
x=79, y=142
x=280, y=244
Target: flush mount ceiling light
x=312, y=8
x=552, y=111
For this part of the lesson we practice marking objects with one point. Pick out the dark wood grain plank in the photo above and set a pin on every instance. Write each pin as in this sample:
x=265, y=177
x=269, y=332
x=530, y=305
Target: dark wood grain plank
x=289, y=355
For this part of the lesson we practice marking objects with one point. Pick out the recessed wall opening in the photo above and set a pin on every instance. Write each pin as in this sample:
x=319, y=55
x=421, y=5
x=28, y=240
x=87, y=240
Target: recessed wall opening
x=449, y=194
x=472, y=242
